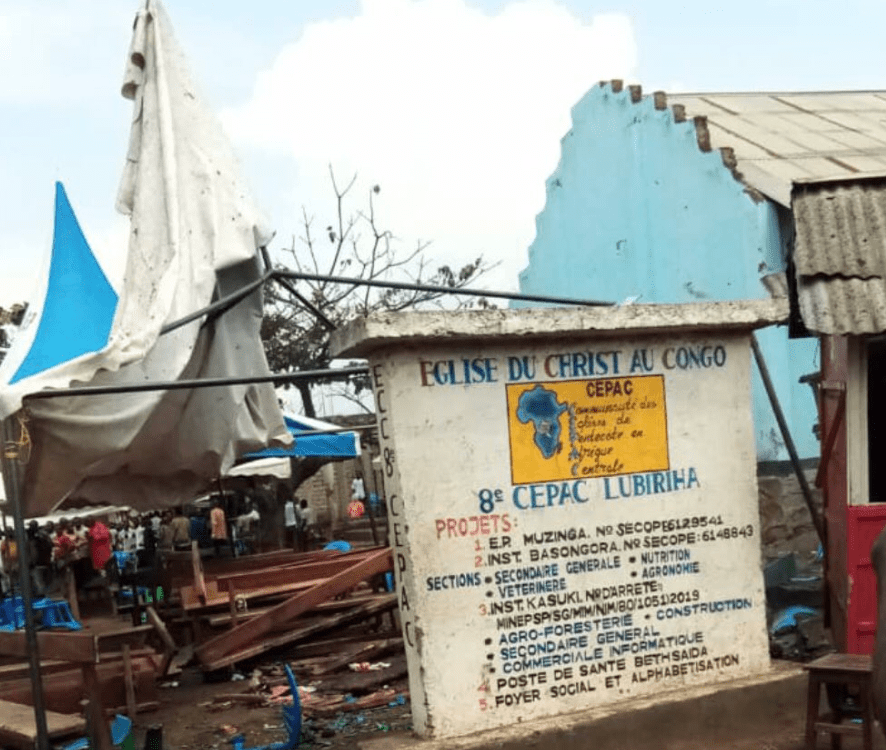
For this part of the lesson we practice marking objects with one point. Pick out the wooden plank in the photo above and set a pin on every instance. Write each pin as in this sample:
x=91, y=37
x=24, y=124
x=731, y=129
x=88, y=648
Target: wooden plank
x=268, y=581
x=216, y=567
x=157, y=624
x=75, y=647
x=224, y=618
x=333, y=645
x=232, y=602
x=63, y=691
x=249, y=632
x=216, y=599
x=197, y=566
x=128, y=683
x=113, y=640
x=293, y=634
x=18, y=729
x=303, y=571
x=169, y=647
x=99, y=731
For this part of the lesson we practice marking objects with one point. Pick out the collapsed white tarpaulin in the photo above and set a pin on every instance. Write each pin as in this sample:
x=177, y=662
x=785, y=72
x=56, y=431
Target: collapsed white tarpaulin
x=194, y=234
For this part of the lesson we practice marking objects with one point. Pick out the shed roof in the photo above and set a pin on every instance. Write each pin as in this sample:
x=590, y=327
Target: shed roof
x=779, y=139
x=822, y=154
x=840, y=256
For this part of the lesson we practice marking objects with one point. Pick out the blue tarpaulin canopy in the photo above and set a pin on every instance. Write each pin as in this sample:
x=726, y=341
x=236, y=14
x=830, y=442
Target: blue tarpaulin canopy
x=79, y=302
x=312, y=438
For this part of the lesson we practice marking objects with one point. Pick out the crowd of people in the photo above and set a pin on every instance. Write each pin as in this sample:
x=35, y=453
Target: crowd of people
x=79, y=550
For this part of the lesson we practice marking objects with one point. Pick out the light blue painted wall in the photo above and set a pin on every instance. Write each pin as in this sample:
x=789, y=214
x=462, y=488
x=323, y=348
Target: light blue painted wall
x=635, y=208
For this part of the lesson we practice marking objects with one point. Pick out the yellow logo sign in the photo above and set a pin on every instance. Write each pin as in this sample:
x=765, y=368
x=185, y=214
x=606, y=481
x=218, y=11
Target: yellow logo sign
x=587, y=428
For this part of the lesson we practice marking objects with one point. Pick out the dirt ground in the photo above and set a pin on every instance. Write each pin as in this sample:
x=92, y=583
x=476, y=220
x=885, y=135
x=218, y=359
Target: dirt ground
x=191, y=720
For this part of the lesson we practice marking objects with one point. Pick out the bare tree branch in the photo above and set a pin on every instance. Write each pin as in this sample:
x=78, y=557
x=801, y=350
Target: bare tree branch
x=360, y=248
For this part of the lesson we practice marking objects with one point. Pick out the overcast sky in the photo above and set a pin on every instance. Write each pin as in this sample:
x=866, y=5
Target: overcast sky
x=454, y=107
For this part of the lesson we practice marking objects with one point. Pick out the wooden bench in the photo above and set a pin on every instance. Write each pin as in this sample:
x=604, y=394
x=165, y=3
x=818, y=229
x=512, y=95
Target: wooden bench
x=839, y=670
x=18, y=729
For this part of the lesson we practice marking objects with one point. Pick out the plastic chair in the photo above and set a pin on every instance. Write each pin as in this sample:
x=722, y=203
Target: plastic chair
x=13, y=612
x=339, y=545
x=57, y=614
x=121, y=736
x=291, y=720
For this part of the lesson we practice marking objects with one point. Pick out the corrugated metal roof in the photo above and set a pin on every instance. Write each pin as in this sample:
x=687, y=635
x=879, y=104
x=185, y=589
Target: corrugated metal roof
x=837, y=305
x=778, y=138
x=840, y=256
x=840, y=230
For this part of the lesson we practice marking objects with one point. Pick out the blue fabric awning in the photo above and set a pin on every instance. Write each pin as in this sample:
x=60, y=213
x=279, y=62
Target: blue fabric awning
x=311, y=439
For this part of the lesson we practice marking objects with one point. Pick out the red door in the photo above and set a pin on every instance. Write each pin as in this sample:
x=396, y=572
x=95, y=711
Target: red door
x=864, y=524
x=850, y=530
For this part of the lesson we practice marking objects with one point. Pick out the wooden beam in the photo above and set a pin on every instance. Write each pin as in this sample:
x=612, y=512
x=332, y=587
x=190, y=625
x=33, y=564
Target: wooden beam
x=197, y=565
x=128, y=683
x=232, y=602
x=253, y=630
x=157, y=624
x=306, y=628
x=221, y=619
x=63, y=691
x=268, y=582
x=99, y=732
x=295, y=573
x=80, y=648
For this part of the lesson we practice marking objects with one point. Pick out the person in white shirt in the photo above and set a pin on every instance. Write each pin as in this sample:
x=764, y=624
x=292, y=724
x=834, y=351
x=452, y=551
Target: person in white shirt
x=290, y=521
x=358, y=490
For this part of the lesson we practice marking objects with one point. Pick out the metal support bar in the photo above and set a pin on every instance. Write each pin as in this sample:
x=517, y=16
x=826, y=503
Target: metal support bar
x=436, y=289
x=280, y=275
x=786, y=436
x=10, y=464
x=219, y=306
x=342, y=373
x=306, y=302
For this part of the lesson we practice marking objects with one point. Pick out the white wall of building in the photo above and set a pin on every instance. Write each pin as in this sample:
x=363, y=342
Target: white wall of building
x=607, y=548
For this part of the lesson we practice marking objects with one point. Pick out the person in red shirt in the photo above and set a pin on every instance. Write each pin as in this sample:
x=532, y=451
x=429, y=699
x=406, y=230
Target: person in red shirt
x=99, y=537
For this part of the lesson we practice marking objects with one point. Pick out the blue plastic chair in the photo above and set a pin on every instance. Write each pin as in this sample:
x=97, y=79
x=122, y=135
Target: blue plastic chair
x=120, y=729
x=339, y=545
x=12, y=612
x=57, y=614
x=291, y=720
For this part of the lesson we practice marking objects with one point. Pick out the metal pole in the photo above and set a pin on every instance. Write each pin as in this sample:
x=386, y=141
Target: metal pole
x=11, y=462
x=786, y=436
x=341, y=373
x=438, y=289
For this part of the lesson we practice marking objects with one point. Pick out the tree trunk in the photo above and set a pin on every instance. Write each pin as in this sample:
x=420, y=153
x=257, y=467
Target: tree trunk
x=307, y=400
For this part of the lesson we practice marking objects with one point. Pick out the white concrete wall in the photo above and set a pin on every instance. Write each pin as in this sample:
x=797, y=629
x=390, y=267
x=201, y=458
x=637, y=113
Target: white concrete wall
x=534, y=582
